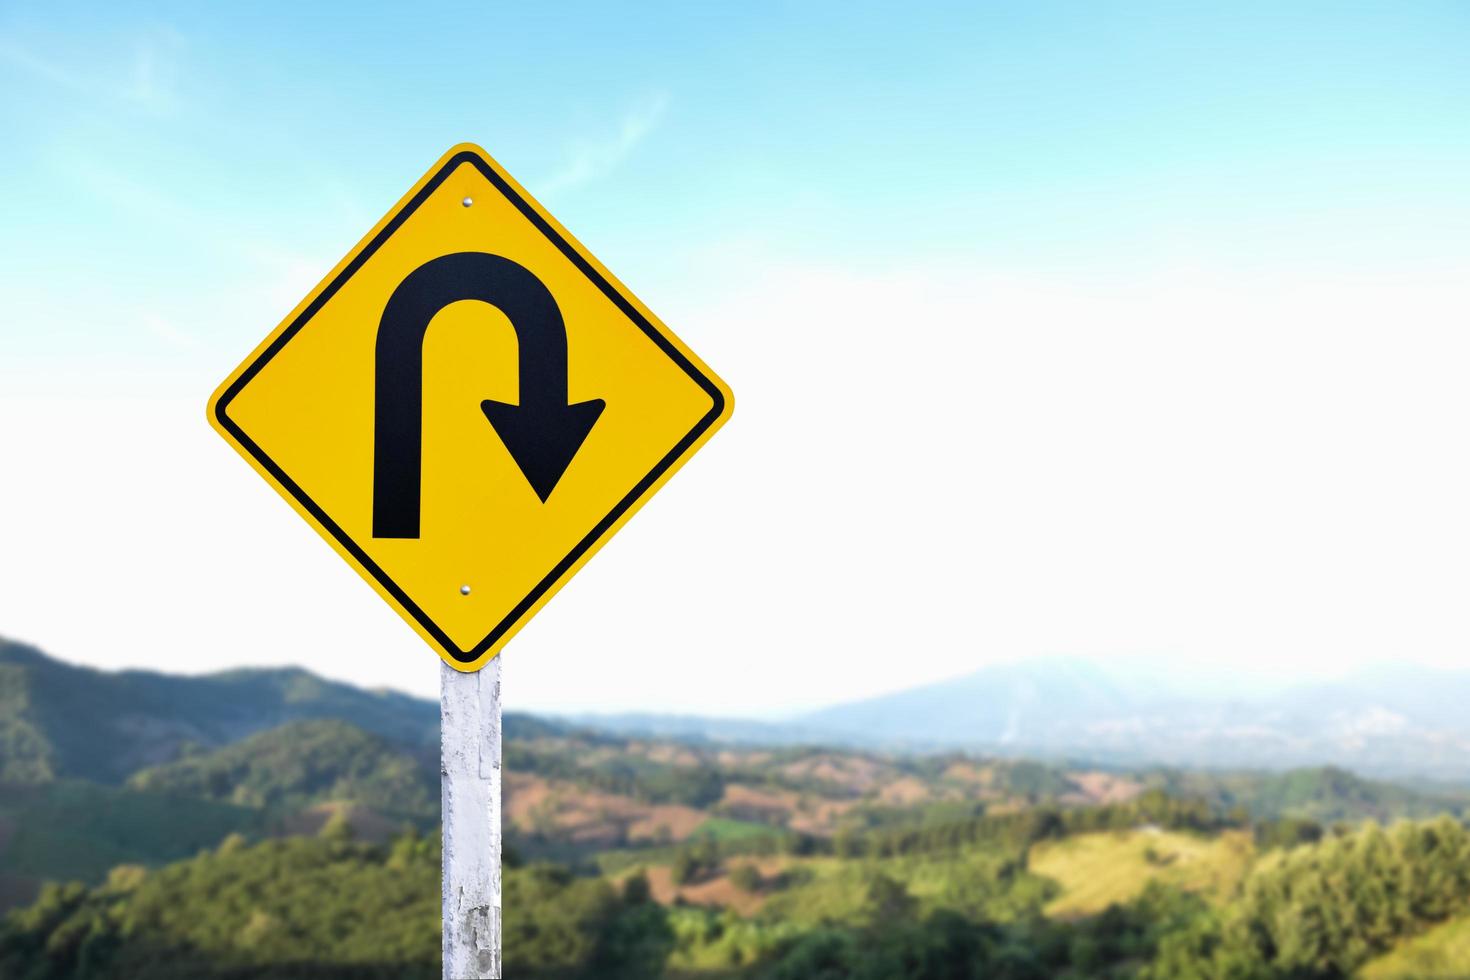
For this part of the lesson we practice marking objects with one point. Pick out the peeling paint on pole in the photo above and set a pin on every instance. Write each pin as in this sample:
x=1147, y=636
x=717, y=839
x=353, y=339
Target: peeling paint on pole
x=469, y=718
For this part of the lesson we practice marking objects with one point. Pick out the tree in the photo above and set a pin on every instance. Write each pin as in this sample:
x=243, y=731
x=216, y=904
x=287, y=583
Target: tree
x=886, y=901
x=685, y=867
x=746, y=877
x=636, y=890
x=338, y=827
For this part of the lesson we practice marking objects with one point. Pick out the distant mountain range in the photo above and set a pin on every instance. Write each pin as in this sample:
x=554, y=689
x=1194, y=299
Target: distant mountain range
x=1400, y=721
x=1392, y=720
x=100, y=769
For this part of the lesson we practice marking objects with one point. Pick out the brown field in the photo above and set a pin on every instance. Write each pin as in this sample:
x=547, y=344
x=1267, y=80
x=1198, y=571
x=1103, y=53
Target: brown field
x=855, y=774
x=749, y=803
x=822, y=817
x=906, y=792
x=801, y=812
x=591, y=817
x=716, y=891
x=969, y=772
x=1102, y=787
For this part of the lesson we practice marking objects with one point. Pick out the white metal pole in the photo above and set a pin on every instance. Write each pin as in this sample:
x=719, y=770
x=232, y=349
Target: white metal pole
x=469, y=752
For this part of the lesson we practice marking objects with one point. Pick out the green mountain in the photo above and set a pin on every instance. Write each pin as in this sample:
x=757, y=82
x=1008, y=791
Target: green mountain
x=72, y=830
x=59, y=721
x=287, y=780
x=302, y=763
x=281, y=910
x=1326, y=794
x=321, y=909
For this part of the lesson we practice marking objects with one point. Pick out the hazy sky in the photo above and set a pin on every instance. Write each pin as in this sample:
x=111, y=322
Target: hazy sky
x=1097, y=329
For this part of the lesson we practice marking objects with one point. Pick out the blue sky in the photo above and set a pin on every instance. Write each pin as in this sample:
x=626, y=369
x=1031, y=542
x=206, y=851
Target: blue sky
x=183, y=150
x=1124, y=211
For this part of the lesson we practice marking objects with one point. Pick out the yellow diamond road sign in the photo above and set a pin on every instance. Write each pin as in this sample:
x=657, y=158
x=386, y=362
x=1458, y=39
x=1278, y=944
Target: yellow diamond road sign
x=468, y=406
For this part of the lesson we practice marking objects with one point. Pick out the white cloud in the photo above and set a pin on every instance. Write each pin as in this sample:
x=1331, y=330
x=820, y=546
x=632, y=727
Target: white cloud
x=591, y=160
x=935, y=469
x=927, y=470
x=152, y=74
x=170, y=333
x=18, y=56
x=144, y=77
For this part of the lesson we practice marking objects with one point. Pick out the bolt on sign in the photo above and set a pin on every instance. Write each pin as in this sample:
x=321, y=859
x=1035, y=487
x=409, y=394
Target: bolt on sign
x=468, y=406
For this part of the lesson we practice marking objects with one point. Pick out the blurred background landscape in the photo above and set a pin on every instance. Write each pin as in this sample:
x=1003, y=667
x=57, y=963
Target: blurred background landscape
x=1033, y=820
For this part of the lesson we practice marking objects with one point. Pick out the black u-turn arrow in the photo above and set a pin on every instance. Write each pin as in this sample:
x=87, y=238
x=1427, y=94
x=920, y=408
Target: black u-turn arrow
x=543, y=433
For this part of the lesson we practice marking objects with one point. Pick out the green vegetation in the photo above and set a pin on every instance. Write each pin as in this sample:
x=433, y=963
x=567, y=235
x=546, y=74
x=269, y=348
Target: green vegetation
x=78, y=831
x=1442, y=953
x=982, y=884
x=319, y=908
x=313, y=907
x=728, y=831
x=746, y=877
x=557, y=925
x=225, y=839
x=1102, y=869
x=1324, y=795
x=298, y=764
x=1326, y=910
x=618, y=772
x=1087, y=892
x=282, y=909
x=58, y=721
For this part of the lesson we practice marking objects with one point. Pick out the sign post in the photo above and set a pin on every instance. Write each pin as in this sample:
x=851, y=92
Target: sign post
x=466, y=408
x=469, y=734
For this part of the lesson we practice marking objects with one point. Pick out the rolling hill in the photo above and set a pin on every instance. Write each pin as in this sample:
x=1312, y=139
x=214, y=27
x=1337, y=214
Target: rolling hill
x=302, y=763
x=197, y=821
x=59, y=721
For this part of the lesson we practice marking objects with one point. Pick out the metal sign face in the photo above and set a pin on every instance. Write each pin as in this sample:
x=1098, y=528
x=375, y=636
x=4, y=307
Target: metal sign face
x=468, y=406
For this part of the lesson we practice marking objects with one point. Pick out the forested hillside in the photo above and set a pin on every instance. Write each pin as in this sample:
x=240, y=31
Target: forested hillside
x=305, y=762
x=58, y=721
x=297, y=843
x=947, y=910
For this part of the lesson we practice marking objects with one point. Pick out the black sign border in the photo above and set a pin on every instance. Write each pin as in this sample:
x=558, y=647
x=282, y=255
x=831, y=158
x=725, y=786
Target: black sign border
x=597, y=533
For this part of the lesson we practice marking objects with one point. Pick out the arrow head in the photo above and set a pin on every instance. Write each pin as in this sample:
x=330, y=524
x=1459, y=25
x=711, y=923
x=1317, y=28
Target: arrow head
x=543, y=439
